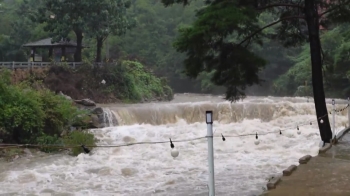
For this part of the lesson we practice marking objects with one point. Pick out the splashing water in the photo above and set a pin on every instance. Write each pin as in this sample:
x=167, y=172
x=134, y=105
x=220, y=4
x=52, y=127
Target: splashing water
x=108, y=117
x=241, y=168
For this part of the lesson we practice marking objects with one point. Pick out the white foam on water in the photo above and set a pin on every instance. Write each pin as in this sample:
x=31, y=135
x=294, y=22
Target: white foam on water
x=241, y=168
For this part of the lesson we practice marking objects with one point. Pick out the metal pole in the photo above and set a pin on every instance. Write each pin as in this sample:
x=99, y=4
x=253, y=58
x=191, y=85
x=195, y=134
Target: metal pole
x=348, y=112
x=107, y=48
x=333, y=114
x=107, y=41
x=209, y=121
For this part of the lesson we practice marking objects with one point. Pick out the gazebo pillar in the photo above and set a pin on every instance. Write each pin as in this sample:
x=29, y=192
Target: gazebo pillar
x=50, y=52
x=33, y=54
x=63, y=57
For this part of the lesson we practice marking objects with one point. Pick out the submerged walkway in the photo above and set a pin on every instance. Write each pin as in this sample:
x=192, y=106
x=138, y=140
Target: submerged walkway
x=327, y=174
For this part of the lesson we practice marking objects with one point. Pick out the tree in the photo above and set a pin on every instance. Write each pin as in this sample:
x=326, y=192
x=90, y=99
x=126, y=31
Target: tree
x=64, y=16
x=335, y=46
x=208, y=47
x=106, y=17
x=18, y=29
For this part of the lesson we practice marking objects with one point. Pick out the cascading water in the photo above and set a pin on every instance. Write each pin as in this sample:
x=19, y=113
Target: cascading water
x=108, y=117
x=241, y=168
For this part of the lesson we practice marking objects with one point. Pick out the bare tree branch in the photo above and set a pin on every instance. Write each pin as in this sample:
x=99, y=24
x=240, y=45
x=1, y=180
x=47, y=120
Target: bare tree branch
x=334, y=8
x=280, y=5
x=269, y=25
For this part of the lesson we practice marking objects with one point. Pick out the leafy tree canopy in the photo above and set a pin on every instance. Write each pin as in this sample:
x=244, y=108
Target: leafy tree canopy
x=104, y=18
x=208, y=46
x=95, y=18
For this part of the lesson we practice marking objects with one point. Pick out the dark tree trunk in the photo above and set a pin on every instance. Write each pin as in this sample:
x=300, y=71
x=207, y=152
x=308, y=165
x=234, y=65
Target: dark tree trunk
x=99, y=45
x=312, y=19
x=79, y=36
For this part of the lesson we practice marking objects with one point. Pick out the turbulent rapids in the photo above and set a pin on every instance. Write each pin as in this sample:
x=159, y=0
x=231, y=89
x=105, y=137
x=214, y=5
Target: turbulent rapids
x=241, y=168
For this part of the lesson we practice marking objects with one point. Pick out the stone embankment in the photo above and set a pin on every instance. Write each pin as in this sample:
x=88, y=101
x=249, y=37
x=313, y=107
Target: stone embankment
x=326, y=174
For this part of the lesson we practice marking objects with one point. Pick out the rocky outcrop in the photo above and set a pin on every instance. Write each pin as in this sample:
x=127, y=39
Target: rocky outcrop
x=66, y=96
x=85, y=102
x=96, y=118
x=99, y=119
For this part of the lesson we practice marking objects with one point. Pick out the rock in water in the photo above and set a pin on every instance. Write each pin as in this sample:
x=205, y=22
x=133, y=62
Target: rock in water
x=96, y=122
x=66, y=96
x=98, y=118
x=85, y=102
x=98, y=111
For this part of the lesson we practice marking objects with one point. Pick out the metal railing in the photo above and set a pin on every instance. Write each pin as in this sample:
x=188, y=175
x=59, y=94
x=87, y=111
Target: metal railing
x=26, y=65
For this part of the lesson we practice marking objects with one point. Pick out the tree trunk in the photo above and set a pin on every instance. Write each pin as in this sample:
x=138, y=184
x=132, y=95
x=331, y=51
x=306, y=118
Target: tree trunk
x=312, y=19
x=99, y=44
x=77, y=54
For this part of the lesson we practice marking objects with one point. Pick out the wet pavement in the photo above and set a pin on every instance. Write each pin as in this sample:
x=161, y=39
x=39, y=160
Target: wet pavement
x=326, y=174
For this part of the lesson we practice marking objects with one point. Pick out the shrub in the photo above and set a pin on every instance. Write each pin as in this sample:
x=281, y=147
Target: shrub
x=60, y=113
x=78, y=138
x=131, y=81
x=48, y=140
x=21, y=115
x=37, y=117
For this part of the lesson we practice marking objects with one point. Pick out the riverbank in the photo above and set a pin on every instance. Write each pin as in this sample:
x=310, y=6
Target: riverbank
x=122, y=82
x=325, y=174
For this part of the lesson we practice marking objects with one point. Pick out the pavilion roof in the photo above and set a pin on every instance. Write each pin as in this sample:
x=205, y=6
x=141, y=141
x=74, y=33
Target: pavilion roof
x=44, y=43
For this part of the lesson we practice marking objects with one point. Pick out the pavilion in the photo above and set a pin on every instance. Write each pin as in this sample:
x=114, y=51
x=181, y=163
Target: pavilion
x=58, y=51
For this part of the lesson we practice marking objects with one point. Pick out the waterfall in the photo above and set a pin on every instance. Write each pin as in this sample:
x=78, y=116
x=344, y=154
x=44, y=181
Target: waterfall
x=108, y=117
x=266, y=109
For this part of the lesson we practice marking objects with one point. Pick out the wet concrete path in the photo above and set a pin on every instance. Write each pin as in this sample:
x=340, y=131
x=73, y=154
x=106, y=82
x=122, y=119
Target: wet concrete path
x=326, y=174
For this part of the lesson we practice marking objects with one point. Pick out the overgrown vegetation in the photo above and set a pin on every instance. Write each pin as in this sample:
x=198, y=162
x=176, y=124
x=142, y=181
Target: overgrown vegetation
x=234, y=63
x=127, y=81
x=336, y=69
x=29, y=116
x=139, y=84
x=34, y=113
x=149, y=42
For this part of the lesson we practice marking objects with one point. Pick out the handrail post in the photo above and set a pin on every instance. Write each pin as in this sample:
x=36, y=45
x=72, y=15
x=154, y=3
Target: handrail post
x=348, y=111
x=333, y=115
x=209, y=120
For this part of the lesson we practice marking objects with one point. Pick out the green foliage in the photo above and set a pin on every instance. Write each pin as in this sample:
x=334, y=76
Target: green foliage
x=211, y=43
x=132, y=82
x=37, y=117
x=61, y=17
x=97, y=19
x=204, y=78
x=18, y=29
x=336, y=44
x=288, y=83
x=142, y=84
x=77, y=138
x=105, y=17
x=156, y=28
x=22, y=115
x=207, y=48
x=59, y=112
x=10, y=154
x=30, y=116
x=150, y=41
x=47, y=140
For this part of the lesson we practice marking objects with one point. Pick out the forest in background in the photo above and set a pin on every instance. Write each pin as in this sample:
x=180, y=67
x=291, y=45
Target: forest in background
x=150, y=41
